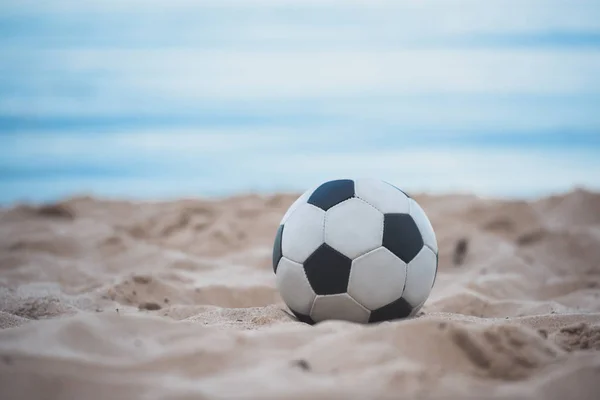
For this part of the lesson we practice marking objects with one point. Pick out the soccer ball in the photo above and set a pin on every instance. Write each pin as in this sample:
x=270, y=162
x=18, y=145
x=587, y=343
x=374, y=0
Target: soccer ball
x=357, y=250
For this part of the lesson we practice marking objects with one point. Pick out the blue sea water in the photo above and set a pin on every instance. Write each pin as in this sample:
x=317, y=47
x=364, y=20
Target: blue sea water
x=154, y=99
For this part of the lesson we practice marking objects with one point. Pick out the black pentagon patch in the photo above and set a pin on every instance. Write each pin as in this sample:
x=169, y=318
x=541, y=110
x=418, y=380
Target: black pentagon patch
x=303, y=318
x=397, y=309
x=406, y=194
x=401, y=236
x=331, y=193
x=328, y=270
x=277, y=252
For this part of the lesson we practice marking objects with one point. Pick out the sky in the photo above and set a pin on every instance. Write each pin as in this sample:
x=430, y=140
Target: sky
x=153, y=99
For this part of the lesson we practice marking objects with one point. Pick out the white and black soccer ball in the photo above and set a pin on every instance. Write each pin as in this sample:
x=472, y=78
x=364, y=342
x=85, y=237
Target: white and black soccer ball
x=358, y=250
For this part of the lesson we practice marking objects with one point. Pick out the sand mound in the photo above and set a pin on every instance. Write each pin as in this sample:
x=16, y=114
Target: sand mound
x=113, y=299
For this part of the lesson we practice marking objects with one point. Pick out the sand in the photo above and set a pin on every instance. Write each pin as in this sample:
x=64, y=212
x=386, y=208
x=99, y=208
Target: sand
x=107, y=299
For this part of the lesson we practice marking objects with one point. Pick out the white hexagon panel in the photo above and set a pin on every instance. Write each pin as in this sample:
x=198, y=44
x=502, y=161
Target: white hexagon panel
x=420, y=274
x=303, y=232
x=300, y=200
x=338, y=306
x=353, y=227
x=294, y=287
x=377, y=278
x=386, y=198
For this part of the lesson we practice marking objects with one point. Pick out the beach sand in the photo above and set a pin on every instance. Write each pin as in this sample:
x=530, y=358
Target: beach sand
x=108, y=299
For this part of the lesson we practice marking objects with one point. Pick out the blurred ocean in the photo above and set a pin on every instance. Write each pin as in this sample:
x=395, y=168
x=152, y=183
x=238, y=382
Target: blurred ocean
x=158, y=99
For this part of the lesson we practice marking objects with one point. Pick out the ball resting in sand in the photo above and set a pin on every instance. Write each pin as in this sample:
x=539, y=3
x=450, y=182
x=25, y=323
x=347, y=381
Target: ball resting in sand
x=357, y=250
x=517, y=317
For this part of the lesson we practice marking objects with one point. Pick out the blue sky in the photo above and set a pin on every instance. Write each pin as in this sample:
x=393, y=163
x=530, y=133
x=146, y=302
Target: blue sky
x=154, y=99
